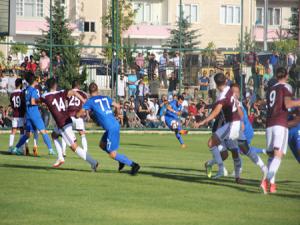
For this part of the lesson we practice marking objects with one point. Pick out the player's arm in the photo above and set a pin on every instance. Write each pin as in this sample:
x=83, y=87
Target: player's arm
x=290, y=103
x=169, y=107
x=76, y=94
x=294, y=122
x=212, y=115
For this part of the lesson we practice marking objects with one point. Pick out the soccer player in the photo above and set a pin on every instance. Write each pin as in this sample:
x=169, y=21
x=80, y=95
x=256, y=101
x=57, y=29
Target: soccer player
x=17, y=102
x=294, y=135
x=172, y=119
x=279, y=100
x=34, y=119
x=101, y=108
x=55, y=101
x=227, y=104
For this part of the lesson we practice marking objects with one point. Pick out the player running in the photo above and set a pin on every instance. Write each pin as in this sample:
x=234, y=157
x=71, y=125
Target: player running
x=228, y=104
x=172, y=119
x=279, y=99
x=17, y=102
x=34, y=119
x=55, y=101
x=101, y=108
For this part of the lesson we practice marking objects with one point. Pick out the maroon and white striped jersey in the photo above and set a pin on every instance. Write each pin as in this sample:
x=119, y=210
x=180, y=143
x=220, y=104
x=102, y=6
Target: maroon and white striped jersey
x=17, y=102
x=74, y=103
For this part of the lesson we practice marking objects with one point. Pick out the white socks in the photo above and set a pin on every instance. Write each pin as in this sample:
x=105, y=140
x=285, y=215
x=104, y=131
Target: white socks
x=35, y=139
x=273, y=168
x=84, y=142
x=11, y=140
x=217, y=156
x=85, y=156
x=58, y=149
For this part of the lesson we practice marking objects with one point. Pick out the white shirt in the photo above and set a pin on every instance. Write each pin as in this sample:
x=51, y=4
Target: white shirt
x=176, y=61
x=151, y=117
x=3, y=84
x=121, y=86
x=212, y=84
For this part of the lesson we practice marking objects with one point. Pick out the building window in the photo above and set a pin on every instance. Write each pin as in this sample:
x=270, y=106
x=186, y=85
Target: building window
x=143, y=12
x=230, y=14
x=39, y=8
x=19, y=7
x=259, y=16
x=89, y=27
x=29, y=8
x=274, y=16
x=190, y=12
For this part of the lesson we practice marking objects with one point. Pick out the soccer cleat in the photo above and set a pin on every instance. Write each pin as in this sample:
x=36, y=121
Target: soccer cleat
x=218, y=175
x=10, y=150
x=18, y=151
x=35, y=151
x=183, y=146
x=95, y=167
x=134, y=169
x=121, y=166
x=208, y=169
x=26, y=151
x=238, y=180
x=225, y=172
x=58, y=163
x=183, y=132
x=273, y=188
x=264, y=186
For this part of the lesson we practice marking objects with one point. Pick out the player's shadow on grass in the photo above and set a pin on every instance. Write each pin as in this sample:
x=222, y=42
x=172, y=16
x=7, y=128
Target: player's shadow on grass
x=139, y=145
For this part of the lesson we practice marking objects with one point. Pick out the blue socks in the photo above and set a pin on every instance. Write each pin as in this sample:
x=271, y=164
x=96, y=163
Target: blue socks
x=47, y=141
x=178, y=136
x=22, y=141
x=123, y=159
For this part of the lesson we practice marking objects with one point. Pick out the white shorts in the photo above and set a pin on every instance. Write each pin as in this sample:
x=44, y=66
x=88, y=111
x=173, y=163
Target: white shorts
x=229, y=131
x=17, y=122
x=78, y=123
x=277, y=137
x=67, y=134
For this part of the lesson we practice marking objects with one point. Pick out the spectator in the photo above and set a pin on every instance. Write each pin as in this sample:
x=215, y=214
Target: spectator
x=151, y=120
x=122, y=82
x=132, y=82
x=31, y=66
x=3, y=83
x=119, y=114
x=142, y=91
x=10, y=66
x=132, y=101
x=188, y=95
x=274, y=60
x=154, y=87
x=143, y=111
x=229, y=81
x=236, y=70
x=176, y=63
x=132, y=118
x=44, y=64
x=197, y=95
x=152, y=66
x=212, y=86
x=25, y=63
x=139, y=62
x=291, y=61
x=163, y=63
x=204, y=83
x=58, y=63
x=172, y=84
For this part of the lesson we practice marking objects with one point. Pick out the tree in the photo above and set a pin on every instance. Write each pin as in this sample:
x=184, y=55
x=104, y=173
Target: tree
x=294, y=24
x=62, y=34
x=19, y=48
x=208, y=52
x=122, y=22
x=189, y=37
x=285, y=46
x=248, y=43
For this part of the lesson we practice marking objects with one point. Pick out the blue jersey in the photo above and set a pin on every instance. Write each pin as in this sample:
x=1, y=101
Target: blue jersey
x=176, y=107
x=294, y=141
x=31, y=110
x=101, y=107
x=248, y=130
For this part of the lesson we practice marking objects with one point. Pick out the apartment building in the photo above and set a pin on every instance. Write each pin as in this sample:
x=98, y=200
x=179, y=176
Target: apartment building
x=218, y=21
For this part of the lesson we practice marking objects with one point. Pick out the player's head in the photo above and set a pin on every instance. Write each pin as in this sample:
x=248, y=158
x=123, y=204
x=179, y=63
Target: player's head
x=18, y=83
x=282, y=74
x=75, y=84
x=30, y=78
x=180, y=99
x=51, y=84
x=236, y=89
x=93, y=88
x=220, y=80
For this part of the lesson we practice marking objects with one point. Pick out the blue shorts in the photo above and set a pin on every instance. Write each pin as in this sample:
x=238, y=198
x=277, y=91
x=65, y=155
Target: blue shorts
x=169, y=120
x=294, y=142
x=35, y=123
x=111, y=138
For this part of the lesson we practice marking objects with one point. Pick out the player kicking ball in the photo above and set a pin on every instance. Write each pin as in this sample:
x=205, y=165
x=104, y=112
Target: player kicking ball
x=55, y=101
x=101, y=108
x=279, y=100
x=172, y=119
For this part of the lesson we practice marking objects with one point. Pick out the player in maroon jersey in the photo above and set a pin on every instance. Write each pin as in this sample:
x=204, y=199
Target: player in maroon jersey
x=74, y=106
x=227, y=103
x=55, y=101
x=17, y=102
x=279, y=100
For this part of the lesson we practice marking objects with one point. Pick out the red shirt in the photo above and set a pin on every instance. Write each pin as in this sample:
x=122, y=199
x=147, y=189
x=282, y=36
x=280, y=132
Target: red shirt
x=74, y=103
x=192, y=110
x=55, y=102
x=277, y=113
x=17, y=102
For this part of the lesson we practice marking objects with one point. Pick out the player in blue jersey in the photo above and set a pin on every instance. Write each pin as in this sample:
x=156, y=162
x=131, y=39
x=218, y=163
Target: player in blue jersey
x=103, y=114
x=33, y=116
x=294, y=135
x=172, y=119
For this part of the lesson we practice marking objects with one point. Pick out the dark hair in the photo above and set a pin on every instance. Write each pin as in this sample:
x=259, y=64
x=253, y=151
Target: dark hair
x=220, y=79
x=75, y=83
x=18, y=82
x=180, y=97
x=93, y=87
x=235, y=85
x=51, y=82
x=281, y=73
x=29, y=77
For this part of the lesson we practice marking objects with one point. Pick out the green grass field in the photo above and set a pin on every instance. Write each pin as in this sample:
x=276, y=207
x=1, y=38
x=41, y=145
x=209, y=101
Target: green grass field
x=171, y=188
